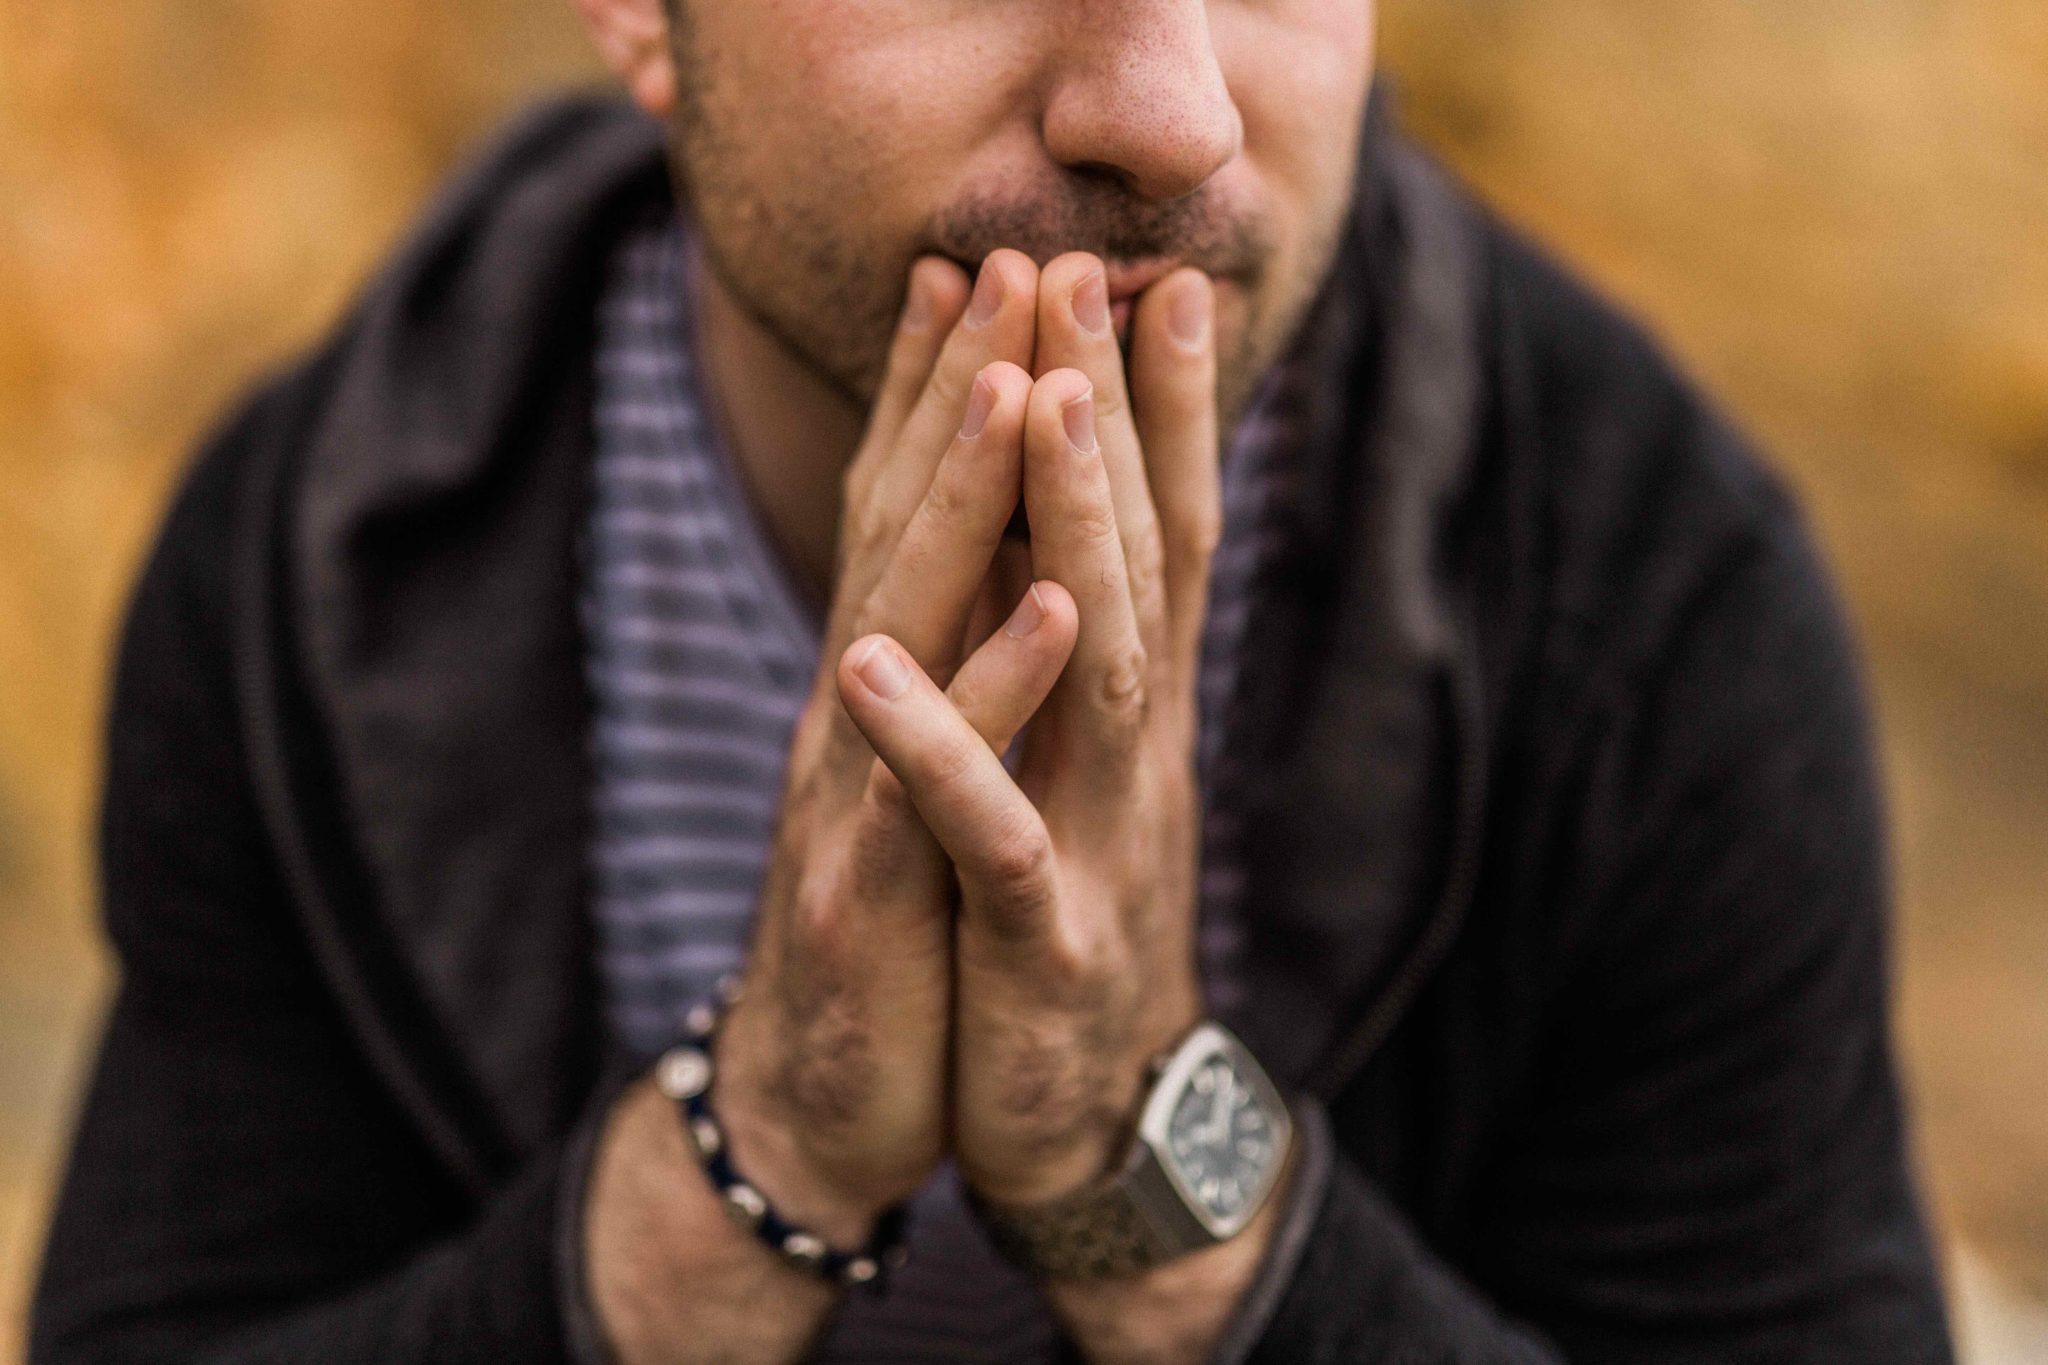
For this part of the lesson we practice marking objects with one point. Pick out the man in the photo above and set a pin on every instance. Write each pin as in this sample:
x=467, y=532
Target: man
x=1072, y=534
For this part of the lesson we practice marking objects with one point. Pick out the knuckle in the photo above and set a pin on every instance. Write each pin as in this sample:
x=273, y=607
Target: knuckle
x=1196, y=534
x=867, y=537
x=1120, y=693
x=1093, y=524
x=1145, y=554
x=909, y=352
x=950, y=380
x=950, y=499
x=817, y=913
x=1016, y=863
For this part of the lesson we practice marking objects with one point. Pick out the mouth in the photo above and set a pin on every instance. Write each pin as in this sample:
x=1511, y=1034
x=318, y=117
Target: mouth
x=1125, y=280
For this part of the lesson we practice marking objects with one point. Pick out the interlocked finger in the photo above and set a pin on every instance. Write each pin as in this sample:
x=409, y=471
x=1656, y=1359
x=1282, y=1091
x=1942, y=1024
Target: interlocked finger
x=1006, y=680
x=987, y=827
x=933, y=300
x=1100, y=702
x=930, y=582
x=892, y=475
x=996, y=692
x=1075, y=331
x=1173, y=387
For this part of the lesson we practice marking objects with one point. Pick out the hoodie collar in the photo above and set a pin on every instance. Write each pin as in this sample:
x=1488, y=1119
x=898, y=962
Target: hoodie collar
x=1363, y=709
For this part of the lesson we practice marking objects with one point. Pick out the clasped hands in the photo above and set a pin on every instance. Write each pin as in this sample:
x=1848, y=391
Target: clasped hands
x=951, y=958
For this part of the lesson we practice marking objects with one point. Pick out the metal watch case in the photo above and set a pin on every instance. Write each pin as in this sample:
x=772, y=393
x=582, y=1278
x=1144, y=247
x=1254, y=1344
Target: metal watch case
x=1152, y=1208
x=1167, y=1192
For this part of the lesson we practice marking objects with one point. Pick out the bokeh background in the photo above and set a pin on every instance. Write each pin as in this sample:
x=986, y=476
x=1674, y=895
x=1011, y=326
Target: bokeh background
x=1835, y=212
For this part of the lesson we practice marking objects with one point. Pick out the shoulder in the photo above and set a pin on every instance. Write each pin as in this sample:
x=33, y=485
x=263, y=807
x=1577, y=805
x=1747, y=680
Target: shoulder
x=1635, y=514
x=441, y=344
x=492, y=275
x=421, y=353
x=1676, y=689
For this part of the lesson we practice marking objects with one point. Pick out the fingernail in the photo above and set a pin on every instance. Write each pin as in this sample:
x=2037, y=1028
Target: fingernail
x=1091, y=304
x=1189, y=317
x=917, y=308
x=883, y=672
x=1079, y=418
x=1029, y=616
x=981, y=400
x=988, y=296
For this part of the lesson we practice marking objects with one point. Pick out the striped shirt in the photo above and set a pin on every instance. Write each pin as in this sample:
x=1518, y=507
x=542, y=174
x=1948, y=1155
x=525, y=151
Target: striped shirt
x=700, y=656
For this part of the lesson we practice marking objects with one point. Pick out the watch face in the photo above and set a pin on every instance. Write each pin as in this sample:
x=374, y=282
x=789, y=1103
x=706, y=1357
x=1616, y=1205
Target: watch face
x=1221, y=1142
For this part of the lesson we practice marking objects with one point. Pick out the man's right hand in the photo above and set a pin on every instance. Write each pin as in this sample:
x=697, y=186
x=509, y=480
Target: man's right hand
x=831, y=1069
x=833, y=1065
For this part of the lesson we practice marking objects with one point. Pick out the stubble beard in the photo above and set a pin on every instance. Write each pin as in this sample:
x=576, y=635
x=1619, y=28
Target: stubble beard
x=832, y=302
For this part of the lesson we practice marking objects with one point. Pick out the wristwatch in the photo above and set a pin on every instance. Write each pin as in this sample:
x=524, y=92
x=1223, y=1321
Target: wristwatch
x=1212, y=1140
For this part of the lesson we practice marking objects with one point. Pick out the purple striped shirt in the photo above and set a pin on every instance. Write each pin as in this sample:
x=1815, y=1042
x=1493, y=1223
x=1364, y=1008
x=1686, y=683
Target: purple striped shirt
x=700, y=656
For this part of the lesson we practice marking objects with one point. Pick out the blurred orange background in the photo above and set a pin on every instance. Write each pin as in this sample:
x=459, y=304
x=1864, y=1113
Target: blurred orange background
x=1835, y=213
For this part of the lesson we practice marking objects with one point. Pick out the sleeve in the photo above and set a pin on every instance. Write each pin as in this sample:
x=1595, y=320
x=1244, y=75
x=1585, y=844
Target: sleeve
x=1712, y=1165
x=240, y=1188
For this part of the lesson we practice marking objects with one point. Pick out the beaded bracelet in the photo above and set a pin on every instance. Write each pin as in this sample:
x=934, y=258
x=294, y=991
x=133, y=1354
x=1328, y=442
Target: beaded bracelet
x=684, y=1074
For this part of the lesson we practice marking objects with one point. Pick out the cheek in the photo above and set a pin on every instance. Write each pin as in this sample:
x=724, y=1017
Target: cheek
x=1300, y=74
x=825, y=135
x=874, y=104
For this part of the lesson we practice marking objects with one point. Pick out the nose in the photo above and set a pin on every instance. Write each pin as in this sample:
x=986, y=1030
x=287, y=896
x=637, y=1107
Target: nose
x=1134, y=91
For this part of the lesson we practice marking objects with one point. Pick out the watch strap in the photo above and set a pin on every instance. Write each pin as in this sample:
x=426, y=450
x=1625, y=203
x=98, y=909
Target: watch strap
x=1096, y=1232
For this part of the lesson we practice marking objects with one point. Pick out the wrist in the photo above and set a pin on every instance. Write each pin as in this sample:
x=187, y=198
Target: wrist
x=765, y=1144
x=664, y=1262
x=1211, y=1147
x=788, y=1153
x=1175, y=1311
x=1054, y=1161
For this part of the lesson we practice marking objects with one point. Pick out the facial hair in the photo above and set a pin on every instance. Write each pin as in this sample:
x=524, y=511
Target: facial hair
x=788, y=255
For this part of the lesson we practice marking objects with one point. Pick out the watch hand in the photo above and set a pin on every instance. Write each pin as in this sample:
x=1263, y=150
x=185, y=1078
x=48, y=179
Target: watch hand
x=1217, y=1126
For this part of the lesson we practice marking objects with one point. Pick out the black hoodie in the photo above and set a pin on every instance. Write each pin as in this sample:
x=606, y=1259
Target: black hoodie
x=1567, y=891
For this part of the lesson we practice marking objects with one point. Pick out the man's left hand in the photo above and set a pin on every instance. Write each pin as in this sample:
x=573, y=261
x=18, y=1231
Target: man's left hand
x=1075, y=945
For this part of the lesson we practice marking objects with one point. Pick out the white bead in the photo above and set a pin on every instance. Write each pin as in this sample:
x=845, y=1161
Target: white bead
x=704, y=1136
x=861, y=1269
x=745, y=1204
x=803, y=1248
x=682, y=1073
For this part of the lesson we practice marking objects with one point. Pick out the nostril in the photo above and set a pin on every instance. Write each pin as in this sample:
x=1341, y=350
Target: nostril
x=1104, y=171
x=1147, y=130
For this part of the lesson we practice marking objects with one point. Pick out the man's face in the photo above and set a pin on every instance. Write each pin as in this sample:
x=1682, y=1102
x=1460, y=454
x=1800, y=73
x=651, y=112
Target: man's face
x=825, y=144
